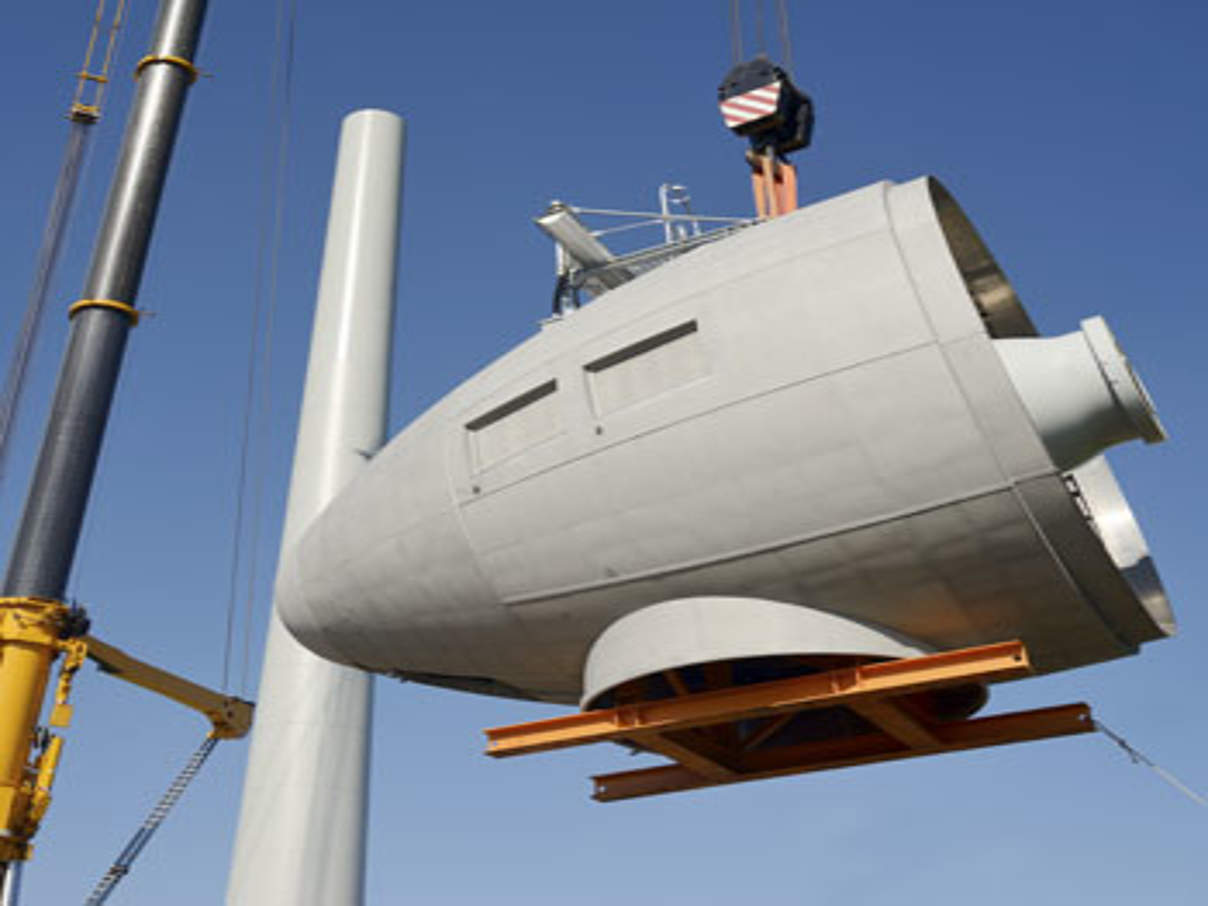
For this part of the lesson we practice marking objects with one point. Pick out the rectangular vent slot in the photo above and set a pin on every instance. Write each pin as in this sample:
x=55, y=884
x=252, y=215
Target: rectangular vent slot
x=522, y=422
x=647, y=368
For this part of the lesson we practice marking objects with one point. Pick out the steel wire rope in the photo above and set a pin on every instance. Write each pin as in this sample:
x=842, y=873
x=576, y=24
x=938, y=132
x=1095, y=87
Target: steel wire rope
x=735, y=32
x=266, y=386
x=1137, y=757
x=53, y=234
x=268, y=183
x=760, y=39
x=253, y=328
x=72, y=174
x=786, y=42
x=254, y=431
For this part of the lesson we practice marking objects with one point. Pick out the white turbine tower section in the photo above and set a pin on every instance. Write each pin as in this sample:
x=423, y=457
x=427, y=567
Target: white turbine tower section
x=301, y=835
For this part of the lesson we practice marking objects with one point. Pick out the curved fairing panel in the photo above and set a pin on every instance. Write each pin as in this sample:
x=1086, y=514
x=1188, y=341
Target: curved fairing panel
x=813, y=411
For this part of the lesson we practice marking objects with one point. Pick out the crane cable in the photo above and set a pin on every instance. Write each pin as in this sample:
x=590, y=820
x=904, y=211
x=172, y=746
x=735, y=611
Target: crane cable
x=735, y=32
x=1139, y=758
x=257, y=392
x=121, y=865
x=290, y=12
x=786, y=43
x=782, y=21
x=761, y=43
x=84, y=113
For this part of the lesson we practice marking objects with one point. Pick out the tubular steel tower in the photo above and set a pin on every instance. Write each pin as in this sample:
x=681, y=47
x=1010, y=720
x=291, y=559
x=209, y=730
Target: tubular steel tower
x=301, y=836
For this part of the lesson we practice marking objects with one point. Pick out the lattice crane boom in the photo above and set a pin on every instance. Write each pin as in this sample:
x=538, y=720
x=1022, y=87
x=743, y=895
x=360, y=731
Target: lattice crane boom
x=91, y=83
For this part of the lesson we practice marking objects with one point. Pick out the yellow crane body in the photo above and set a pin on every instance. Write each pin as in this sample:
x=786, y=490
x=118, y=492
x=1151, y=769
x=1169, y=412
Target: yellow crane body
x=30, y=641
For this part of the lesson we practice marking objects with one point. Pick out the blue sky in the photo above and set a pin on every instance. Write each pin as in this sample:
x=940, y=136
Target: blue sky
x=1073, y=134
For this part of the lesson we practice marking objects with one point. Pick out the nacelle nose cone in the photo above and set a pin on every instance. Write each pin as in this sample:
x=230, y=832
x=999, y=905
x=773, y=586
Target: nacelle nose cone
x=1080, y=391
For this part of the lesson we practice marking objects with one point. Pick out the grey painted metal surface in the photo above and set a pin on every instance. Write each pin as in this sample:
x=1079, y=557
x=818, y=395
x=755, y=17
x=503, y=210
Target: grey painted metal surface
x=813, y=411
x=10, y=884
x=706, y=629
x=301, y=835
x=1080, y=392
x=50, y=524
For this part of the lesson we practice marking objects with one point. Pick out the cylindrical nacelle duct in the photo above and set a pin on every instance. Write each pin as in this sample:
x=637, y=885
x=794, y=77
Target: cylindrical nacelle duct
x=1080, y=391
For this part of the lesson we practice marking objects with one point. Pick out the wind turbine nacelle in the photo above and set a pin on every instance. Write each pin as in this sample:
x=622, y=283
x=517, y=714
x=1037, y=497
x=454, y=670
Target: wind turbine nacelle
x=834, y=425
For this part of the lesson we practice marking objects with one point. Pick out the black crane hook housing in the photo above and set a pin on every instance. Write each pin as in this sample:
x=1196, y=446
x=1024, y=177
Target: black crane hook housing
x=759, y=101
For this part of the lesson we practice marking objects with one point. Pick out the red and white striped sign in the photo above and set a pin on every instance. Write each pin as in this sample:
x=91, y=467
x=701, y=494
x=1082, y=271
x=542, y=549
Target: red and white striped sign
x=744, y=108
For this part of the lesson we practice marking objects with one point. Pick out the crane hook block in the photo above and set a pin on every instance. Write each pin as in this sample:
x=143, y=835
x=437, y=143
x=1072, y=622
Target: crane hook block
x=758, y=100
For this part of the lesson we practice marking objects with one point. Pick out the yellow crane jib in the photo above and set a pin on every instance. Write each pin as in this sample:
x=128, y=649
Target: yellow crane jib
x=34, y=632
x=230, y=717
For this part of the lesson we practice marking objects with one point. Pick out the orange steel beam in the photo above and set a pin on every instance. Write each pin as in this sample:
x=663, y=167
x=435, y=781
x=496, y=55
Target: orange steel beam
x=636, y=722
x=701, y=756
x=786, y=188
x=1022, y=726
x=773, y=726
x=773, y=184
x=892, y=719
x=676, y=682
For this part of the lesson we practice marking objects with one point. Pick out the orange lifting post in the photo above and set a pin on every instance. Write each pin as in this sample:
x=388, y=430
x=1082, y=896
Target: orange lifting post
x=773, y=183
x=696, y=731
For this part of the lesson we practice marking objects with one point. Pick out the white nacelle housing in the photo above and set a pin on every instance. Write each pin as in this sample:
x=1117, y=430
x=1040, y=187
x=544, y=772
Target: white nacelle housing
x=844, y=409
